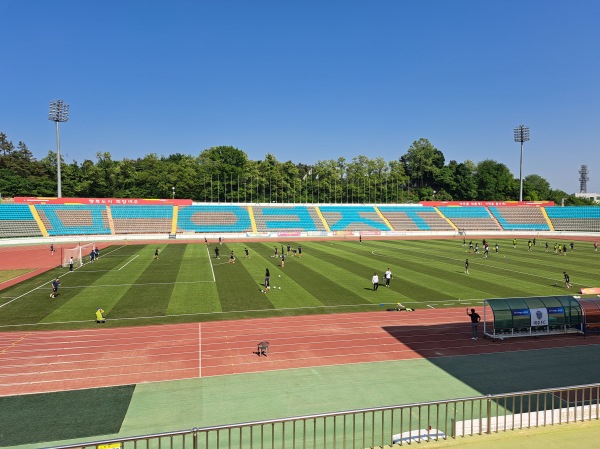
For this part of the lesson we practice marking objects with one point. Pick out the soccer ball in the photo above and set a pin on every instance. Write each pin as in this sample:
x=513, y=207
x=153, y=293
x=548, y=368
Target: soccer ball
x=279, y=288
x=279, y=275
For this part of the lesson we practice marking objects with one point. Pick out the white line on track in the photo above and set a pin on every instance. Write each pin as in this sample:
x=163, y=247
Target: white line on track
x=431, y=307
x=134, y=257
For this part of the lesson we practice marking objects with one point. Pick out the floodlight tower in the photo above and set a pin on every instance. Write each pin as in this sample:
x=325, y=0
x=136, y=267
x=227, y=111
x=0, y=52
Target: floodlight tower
x=59, y=112
x=583, y=179
x=521, y=135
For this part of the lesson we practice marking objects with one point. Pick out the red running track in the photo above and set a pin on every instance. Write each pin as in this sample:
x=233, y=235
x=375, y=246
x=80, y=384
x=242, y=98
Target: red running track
x=38, y=362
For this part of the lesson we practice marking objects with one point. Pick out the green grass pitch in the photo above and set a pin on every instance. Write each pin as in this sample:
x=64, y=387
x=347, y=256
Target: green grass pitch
x=187, y=283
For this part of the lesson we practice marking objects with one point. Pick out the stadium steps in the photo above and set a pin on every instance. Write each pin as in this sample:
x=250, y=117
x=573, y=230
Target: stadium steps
x=385, y=220
x=318, y=212
x=111, y=223
x=38, y=220
x=543, y=210
x=446, y=218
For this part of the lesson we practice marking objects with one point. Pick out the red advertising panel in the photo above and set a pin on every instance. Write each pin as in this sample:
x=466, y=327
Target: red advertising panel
x=109, y=201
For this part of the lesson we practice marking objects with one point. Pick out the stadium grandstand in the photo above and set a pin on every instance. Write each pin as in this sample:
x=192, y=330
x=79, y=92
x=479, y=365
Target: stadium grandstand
x=37, y=217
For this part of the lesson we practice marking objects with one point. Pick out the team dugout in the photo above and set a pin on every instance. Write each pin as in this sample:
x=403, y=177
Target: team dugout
x=523, y=317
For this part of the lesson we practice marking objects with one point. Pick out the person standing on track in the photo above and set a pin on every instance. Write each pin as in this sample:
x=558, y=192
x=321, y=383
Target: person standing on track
x=52, y=249
x=475, y=319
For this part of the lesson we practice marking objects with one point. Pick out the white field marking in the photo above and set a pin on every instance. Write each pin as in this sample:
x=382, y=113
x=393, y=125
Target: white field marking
x=431, y=307
x=380, y=255
x=211, y=265
x=134, y=257
x=189, y=314
x=46, y=283
x=94, y=271
x=130, y=285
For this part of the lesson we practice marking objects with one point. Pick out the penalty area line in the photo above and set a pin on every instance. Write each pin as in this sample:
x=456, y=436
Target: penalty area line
x=134, y=257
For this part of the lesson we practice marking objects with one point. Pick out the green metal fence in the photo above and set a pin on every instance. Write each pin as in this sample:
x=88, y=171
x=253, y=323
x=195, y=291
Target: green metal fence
x=382, y=426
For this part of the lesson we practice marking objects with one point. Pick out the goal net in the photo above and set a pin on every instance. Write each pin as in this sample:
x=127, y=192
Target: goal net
x=78, y=253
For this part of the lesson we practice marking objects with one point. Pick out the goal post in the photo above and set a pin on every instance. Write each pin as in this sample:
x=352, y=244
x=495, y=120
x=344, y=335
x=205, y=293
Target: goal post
x=77, y=253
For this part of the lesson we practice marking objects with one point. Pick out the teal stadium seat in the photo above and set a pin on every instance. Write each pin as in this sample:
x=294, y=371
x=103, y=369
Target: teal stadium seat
x=208, y=218
x=575, y=218
x=16, y=220
x=353, y=218
x=74, y=219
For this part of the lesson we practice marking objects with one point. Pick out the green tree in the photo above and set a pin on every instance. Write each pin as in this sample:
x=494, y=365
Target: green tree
x=422, y=162
x=494, y=181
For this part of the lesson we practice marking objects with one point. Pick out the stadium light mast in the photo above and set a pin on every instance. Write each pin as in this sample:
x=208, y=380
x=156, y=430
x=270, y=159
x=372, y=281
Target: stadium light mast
x=521, y=135
x=59, y=112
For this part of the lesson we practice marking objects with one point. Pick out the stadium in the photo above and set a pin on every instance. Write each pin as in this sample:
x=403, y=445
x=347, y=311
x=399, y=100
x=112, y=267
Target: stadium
x=299, y=225
x=183, y=327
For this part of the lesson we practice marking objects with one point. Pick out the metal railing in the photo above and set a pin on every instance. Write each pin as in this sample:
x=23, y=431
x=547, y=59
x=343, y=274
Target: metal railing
x=378, y=427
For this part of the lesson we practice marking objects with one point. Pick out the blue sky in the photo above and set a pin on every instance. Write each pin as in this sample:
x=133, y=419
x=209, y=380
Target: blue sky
x=310, y=80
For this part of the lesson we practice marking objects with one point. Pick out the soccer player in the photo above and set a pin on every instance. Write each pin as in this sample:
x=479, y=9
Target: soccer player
x=572, y=246
x=299, y=251
x=71, y=264
x=267, y=280
x=96, y=253
x=567, y=280
x=475, y=319
x=546, y=246
x=92, y=255
x=275, y=250
x=496, y=248
x=246, y=251
x=375, y=281
x=467, y=266
x=156, y=254
x=289, y=248
x=471, y=246
x=529, y=245
x=55, y=285
x=514, y=243
x=216, y=252
x=595, y=246
x=486, y=250
x=231, y=258
x=282, y=260
x=564, y=250
x=476, y=248
x=388, y=277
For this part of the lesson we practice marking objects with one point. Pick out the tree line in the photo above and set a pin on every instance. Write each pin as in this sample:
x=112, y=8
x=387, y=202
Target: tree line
x=225, y=174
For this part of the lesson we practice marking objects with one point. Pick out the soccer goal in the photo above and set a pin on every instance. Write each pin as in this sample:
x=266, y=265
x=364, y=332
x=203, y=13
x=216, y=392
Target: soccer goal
x=77, y=253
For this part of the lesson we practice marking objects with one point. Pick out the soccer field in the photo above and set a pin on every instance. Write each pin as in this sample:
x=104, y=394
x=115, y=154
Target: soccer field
x=187, y=283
